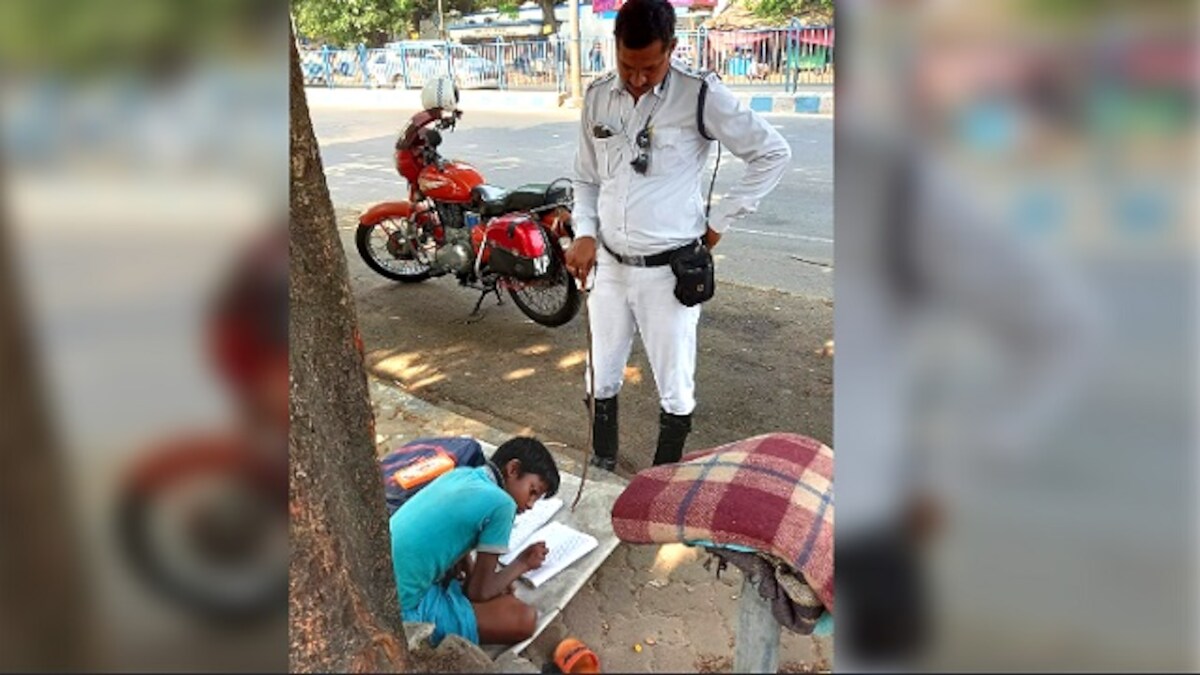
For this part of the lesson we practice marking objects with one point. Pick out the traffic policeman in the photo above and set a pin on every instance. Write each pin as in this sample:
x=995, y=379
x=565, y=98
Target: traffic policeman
x=638, y=202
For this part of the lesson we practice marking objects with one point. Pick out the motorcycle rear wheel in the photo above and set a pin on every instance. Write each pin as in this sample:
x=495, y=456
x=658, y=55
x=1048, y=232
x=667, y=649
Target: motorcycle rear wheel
x=552, y=302
x=395, y=259
x=210, y=536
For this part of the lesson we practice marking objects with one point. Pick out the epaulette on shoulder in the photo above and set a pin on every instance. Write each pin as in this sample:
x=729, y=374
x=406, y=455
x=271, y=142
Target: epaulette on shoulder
x=688, y=71
x=605, y=78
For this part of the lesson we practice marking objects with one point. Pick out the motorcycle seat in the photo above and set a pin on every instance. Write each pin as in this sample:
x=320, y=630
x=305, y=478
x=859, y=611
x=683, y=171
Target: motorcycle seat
x=493, y=201
x=537, y=195
x=489, y=200
x=526, y=197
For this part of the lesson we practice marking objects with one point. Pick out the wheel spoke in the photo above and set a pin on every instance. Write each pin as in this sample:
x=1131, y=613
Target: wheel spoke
x=391, y=246
x=544, y=297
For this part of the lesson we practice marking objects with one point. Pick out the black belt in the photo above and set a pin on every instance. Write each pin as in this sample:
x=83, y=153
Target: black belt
x=655, y=260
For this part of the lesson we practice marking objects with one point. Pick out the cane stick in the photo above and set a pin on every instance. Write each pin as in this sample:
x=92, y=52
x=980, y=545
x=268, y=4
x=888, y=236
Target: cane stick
x=587, y=456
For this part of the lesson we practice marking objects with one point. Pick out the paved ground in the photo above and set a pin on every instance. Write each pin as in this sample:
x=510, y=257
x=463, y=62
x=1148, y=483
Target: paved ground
x=760, y=366
x=659, y=597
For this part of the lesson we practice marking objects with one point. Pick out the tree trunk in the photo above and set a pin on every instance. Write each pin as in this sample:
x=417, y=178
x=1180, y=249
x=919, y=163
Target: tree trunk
x=548, y=18
x=344, y=615
x=44, y=609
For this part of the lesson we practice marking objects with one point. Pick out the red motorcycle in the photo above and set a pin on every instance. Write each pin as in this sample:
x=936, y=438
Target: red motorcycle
x=488, y=237
x=201, y=517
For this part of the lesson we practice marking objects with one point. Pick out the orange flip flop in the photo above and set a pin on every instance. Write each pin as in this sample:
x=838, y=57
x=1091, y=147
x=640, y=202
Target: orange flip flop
x=572, y=656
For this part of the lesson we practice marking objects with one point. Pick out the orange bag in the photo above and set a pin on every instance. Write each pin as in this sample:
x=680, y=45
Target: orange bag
x=424, y=470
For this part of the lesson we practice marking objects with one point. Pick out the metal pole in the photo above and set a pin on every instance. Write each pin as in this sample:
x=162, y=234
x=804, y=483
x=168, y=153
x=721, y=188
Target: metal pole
x=500, y=62
x=441, y=21
x=757, y=642
x=576, y=100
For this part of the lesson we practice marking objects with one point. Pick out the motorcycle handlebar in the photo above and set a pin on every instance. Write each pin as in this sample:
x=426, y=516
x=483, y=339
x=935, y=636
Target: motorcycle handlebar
x=423, y=119
x=449, y=121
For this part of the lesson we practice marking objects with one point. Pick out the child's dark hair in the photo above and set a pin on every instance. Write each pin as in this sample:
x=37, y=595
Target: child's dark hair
x=534, y=458
x=641, y=22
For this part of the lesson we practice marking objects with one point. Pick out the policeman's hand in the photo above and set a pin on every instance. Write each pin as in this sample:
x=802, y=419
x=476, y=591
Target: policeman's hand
x=711, y=237
x=581, y=257
x=533, y=556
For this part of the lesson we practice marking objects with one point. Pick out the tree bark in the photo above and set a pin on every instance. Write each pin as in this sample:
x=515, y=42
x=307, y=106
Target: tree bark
x=344, y=614
x=548, y=18
x=44, y=606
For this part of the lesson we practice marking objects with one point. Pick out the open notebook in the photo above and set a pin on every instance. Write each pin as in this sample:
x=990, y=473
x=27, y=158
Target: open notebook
x=529, y=522
x=564, y=544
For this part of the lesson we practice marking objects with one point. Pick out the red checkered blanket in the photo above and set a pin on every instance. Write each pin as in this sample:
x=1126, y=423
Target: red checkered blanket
x=772, y=493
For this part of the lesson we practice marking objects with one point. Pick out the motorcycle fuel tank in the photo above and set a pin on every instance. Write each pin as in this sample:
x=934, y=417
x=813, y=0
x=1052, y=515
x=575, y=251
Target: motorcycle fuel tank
x=451, y=183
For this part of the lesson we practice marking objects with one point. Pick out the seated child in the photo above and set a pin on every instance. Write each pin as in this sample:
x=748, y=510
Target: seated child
x=464, y=510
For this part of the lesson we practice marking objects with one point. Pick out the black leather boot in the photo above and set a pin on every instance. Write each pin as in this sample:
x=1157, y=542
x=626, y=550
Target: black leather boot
x=672, y=434
x=604, y=434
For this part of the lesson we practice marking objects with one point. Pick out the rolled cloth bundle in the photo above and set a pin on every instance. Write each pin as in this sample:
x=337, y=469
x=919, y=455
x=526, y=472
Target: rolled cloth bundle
x=771, y=493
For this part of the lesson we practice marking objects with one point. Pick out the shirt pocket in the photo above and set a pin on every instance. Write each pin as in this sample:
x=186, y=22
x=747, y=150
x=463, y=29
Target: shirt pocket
x=609, y=155
x=668, y=152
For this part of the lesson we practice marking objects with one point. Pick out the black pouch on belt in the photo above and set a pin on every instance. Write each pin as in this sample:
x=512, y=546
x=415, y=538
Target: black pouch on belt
x=694, y=280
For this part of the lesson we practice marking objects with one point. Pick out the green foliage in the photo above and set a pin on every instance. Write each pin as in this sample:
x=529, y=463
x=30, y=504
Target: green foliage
x=346, y=23
x=508, y=8
x=781, y=11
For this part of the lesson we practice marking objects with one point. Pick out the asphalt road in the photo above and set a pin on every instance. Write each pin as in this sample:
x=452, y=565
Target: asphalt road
x=787, y=245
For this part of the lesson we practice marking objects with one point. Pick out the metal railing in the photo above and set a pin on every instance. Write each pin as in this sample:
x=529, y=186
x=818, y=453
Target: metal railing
x=770, y=57
x=776, y=56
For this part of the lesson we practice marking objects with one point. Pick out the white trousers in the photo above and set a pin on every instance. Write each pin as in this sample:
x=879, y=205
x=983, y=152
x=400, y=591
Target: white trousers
x=625, y=300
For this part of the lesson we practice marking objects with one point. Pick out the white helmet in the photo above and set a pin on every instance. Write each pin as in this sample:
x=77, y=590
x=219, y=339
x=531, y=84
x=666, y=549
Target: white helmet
x=440, y=92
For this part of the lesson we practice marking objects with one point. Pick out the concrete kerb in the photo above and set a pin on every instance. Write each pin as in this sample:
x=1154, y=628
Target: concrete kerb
x=400, y=417
x=799, y=103
x=410, y=99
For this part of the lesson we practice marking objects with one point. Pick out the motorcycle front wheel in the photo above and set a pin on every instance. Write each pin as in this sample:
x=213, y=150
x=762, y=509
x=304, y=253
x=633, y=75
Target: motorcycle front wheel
x=209, y=534
x=387, y=247
x=551, y=301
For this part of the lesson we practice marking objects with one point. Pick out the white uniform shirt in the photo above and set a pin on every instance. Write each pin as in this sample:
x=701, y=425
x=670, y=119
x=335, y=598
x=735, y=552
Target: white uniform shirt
x=664, y=209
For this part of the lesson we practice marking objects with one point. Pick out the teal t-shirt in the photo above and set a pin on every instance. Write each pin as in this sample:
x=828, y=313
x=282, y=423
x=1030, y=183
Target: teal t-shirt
x=459, y=511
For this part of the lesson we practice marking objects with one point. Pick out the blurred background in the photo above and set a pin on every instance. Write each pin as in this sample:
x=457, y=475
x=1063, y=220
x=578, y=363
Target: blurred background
x=1015, y=385
x=143, y=155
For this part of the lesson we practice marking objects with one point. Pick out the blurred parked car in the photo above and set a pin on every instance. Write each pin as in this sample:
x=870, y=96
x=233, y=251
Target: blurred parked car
x=313, y=69
x=413, y=63
x=340, y=64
